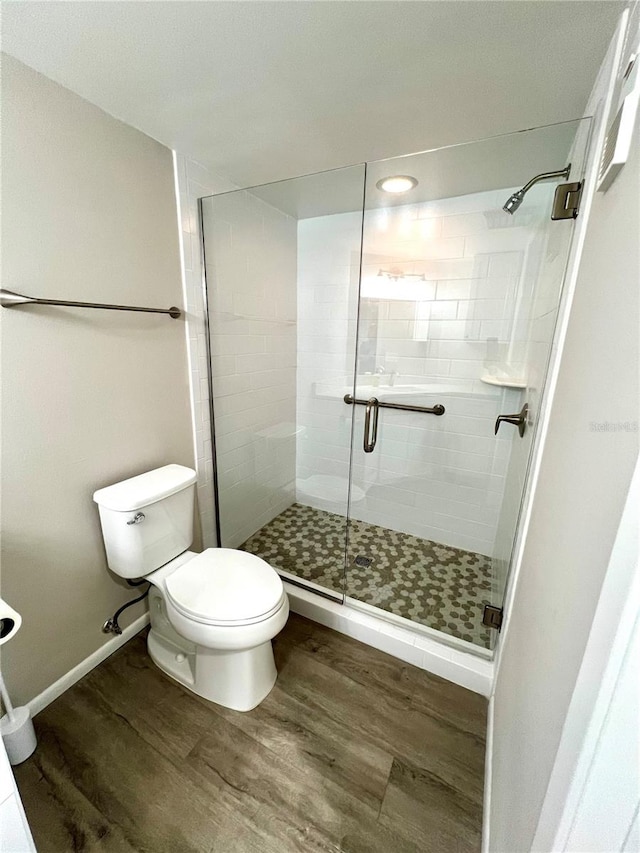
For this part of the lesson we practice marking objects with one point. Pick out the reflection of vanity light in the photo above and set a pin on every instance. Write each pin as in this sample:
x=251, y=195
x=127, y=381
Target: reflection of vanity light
x=396, y=274
x=397, y=184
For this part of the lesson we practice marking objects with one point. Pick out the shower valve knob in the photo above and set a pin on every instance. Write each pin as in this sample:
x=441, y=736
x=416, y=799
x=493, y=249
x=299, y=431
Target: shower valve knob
x=519, y=420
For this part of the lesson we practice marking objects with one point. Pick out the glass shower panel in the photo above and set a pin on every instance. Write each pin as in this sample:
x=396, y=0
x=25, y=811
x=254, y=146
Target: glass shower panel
x=282, y=266
x=457, y=310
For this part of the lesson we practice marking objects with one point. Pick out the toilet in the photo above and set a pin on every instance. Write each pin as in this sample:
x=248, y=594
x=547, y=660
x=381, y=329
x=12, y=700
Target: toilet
x=213, y=615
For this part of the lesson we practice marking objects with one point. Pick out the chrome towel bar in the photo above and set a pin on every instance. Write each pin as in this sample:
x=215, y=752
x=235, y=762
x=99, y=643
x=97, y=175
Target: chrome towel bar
x=438, y=409
x=8, y=299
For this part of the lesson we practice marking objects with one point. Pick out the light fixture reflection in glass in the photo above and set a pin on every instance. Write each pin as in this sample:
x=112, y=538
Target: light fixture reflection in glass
x=397, y=184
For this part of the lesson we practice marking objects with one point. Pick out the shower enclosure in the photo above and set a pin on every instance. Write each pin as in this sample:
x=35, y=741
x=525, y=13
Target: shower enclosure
x=363, y=346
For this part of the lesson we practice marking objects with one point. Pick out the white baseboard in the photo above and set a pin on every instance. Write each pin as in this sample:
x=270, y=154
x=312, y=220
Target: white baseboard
x=69, y=679
x=488, y=767
x=461, y=667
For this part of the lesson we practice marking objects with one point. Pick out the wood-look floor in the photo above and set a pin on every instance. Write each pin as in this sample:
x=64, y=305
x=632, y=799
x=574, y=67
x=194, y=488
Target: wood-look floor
x=352, y=751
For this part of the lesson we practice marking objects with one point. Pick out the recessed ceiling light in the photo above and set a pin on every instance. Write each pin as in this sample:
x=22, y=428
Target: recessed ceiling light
x=397, y=184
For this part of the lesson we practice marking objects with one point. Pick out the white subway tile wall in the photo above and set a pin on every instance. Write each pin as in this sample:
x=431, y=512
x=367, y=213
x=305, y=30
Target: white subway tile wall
x=462, y=311
x=250, y=255
x=193, y=181
x=284, y=322
x=533, y=337
x=328, y=268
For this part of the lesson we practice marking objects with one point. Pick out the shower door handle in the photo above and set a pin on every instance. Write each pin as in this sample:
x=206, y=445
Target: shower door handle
x=370, y=429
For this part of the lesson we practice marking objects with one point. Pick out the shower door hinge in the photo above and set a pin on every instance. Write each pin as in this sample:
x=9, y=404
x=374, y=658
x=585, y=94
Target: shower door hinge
x=566, y=201
x=492, y=616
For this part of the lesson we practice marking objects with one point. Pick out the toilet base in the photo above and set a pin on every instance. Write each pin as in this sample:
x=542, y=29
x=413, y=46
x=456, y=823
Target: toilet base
x=236, y=679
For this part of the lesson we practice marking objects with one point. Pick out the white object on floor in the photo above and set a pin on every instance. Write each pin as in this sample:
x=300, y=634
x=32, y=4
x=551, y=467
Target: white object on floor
x=16, y=726
x=17, y=729
x=213, y=615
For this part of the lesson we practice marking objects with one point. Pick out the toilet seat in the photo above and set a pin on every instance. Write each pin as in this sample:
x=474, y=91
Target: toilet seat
x=225, y=587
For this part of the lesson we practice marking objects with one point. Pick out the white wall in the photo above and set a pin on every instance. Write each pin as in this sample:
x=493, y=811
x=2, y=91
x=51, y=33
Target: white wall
x=593, y=799
x=583, y=480
x=250, y=256
x=89, y=397
x=437, y=478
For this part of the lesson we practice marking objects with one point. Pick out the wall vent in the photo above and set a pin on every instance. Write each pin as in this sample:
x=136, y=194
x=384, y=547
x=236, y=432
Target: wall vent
x=618, y=142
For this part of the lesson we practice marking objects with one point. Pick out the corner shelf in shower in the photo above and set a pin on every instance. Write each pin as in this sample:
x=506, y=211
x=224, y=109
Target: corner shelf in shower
x=503, y=383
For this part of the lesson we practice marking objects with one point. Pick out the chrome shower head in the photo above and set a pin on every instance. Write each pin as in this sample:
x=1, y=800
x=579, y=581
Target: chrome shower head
x=515, y=200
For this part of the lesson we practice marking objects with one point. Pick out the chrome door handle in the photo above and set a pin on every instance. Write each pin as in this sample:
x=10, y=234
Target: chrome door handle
x=519, y=420
x=369, y=437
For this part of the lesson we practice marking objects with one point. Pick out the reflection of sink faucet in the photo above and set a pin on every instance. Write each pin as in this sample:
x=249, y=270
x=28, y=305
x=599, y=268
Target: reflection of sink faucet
x=380, y=371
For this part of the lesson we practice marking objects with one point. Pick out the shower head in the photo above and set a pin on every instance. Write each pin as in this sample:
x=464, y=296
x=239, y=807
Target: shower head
x=515, y=200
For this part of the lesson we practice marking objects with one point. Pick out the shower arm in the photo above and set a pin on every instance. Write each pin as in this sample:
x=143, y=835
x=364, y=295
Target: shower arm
x=546, y=176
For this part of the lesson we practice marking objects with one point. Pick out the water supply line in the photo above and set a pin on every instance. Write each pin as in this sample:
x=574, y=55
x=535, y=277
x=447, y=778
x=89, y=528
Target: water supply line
x=111, y=626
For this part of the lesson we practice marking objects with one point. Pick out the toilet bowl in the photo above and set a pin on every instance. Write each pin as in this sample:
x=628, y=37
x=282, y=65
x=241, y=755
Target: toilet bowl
x=213, y=615
x=227, y=605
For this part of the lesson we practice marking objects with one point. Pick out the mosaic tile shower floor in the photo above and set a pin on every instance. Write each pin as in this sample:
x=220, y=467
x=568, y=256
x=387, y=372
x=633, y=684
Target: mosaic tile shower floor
x=436, y=585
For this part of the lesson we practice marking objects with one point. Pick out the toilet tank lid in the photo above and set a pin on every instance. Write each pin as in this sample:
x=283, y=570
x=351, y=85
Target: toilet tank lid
x=145, y=489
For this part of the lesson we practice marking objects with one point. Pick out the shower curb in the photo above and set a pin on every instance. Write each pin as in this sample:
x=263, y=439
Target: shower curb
x=461, y=667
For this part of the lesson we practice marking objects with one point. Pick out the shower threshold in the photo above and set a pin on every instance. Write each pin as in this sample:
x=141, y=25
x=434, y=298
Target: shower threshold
x=419, y=585
x=445, y=656
x=400, y=622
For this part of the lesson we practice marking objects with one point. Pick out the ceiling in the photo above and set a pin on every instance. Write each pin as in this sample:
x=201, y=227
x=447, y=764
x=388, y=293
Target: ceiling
x=501, y=162
x=260, y=91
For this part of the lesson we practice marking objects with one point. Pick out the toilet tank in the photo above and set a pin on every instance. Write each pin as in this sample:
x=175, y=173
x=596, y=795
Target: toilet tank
x=147, y=520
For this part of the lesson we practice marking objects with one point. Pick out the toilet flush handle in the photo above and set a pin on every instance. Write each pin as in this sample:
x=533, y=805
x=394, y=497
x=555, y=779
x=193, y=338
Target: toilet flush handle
x=137, y=518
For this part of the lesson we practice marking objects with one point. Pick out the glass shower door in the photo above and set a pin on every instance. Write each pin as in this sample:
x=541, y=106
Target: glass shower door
x=458, y=301
x=361, y=356
x=282, y=265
